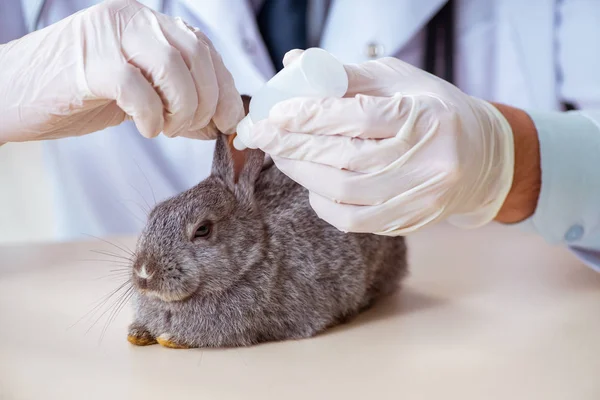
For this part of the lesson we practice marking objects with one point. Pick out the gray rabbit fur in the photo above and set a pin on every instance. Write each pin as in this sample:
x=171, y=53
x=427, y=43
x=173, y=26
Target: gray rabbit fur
x=269, y=268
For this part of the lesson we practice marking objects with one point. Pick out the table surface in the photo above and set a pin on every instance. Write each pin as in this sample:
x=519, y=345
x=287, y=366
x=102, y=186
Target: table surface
x=486, y=314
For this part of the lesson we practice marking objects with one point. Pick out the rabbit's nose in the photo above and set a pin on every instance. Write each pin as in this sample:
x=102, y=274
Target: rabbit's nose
x=143, y=272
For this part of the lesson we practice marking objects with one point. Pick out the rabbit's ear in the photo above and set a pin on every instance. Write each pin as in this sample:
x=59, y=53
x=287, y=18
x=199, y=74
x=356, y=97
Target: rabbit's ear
x=227, y=161
x=247, y=171
x=223, y=163
x=248, y=163
x=238, y=169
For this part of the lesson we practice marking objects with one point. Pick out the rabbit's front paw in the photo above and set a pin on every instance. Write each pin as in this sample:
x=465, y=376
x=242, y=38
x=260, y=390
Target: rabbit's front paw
x=139, y=335
x=167, y=340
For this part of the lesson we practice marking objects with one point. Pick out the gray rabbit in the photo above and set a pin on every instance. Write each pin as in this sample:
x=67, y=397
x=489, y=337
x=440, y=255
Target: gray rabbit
x=242, y=258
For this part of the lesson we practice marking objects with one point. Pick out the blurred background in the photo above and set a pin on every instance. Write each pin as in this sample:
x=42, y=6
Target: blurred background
x=25, y=200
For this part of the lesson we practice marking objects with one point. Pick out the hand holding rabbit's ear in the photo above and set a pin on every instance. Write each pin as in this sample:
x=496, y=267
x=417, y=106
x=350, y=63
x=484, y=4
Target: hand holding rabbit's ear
x=114, y=61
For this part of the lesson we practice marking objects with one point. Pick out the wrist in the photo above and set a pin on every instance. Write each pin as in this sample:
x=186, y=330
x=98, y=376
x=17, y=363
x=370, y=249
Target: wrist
x=522, y=198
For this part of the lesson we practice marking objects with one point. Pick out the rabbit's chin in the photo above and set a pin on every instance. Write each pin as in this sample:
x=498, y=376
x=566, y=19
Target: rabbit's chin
x=168, y=297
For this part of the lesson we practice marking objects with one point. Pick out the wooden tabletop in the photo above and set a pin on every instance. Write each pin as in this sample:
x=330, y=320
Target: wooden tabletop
x=487, y=314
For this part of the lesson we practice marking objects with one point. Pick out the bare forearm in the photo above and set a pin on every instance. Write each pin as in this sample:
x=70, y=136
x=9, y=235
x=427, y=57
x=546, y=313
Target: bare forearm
x=522, y=199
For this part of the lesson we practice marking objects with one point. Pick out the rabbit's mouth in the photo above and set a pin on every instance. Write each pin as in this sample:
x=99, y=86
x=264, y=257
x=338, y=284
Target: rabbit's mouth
x=166, y=293
x=167, y=284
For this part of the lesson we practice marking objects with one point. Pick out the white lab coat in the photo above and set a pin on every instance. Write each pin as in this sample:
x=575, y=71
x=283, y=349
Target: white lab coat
x=530, y=54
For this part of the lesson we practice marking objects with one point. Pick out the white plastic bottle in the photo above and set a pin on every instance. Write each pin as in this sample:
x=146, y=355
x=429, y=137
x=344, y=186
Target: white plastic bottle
x=316, y=73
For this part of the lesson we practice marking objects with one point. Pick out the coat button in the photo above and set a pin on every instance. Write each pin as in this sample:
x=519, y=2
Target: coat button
x=574, y=233
x=248, y=46
x=374, y=50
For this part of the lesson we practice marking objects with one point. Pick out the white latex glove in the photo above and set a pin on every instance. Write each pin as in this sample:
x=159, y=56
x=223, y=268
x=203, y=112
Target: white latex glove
x=114, y=61
x=404, y=149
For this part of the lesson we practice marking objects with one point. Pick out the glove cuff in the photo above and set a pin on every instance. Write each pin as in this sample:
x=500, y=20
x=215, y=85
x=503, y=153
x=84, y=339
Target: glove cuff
x=499, y=169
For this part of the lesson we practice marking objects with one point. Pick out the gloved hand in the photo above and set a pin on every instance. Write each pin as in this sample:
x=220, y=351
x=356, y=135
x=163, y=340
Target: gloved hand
x=403, y=149
x=114, y=61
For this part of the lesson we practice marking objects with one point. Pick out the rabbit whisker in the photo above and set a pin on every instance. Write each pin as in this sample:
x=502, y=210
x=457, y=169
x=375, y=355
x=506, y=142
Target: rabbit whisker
x=115, y=275
x=137, y=217
x=116, y=309
x=103, y=260
x=106, y=253
x=121, y=269
x=147, y=181
x=111, y=307
x=148, y=207
x=122, y=247
x=101, y=302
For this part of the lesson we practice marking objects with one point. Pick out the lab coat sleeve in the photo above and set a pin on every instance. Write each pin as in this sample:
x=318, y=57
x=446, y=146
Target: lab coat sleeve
x=577, y=52
x=568, y=209
x=578, y=73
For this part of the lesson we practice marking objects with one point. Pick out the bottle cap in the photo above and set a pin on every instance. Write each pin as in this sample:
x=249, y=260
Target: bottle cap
x=242, y=139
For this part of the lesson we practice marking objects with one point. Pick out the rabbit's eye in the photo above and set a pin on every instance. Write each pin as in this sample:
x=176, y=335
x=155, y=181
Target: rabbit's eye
x=203, y=230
